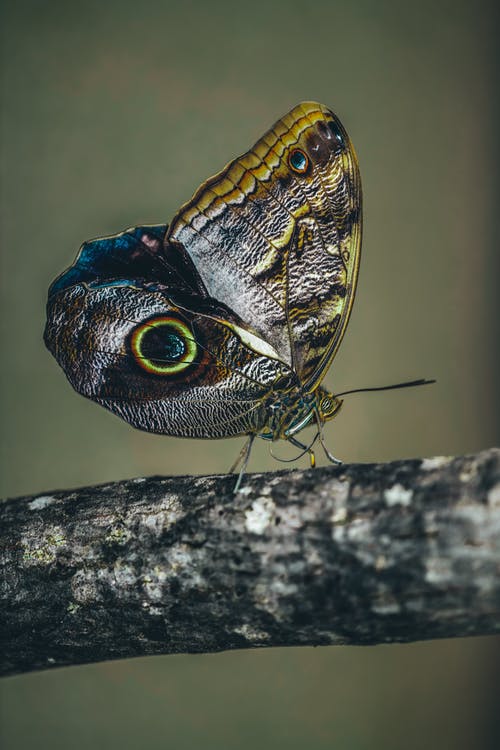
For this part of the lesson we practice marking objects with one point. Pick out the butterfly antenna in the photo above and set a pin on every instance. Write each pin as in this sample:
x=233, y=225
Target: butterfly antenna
x=407, y=384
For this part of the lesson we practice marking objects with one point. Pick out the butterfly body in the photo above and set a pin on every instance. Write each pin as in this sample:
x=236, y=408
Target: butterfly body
x=225, y=322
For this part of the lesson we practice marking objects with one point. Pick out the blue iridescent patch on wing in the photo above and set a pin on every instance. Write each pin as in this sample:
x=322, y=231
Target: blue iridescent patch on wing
x=119, y=258
x=110, y=282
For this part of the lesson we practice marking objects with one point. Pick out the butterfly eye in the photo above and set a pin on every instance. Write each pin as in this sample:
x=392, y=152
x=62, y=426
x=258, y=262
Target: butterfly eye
x=298, y=161
x=329, y=406
x=163, y=346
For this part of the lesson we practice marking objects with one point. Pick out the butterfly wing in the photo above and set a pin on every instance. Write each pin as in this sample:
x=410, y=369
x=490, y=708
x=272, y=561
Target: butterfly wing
x=191, y=331
x=135, y=253
x=120, y=325
x=277, y=234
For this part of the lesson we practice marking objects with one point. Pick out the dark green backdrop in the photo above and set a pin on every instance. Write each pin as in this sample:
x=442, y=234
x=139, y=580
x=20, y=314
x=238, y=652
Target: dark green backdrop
x=112, y=114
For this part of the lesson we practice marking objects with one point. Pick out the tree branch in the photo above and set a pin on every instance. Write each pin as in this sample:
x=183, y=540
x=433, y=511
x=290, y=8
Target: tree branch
x=357, y=554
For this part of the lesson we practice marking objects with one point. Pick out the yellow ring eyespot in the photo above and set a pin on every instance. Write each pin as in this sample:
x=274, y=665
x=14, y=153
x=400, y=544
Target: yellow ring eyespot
x=298, y=160
x=163, y=346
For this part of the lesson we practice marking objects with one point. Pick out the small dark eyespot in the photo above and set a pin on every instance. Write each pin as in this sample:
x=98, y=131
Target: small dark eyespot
x=336, y=132
x=298, y=161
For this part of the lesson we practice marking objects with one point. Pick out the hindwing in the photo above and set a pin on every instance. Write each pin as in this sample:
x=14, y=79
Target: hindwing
x=159, y=366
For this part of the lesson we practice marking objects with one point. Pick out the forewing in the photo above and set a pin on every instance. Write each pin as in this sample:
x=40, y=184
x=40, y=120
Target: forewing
x=278, y=241
x=136, y=253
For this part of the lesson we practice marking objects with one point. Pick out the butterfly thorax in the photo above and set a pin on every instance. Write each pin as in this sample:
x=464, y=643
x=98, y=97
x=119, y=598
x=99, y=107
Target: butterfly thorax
x=290, y=412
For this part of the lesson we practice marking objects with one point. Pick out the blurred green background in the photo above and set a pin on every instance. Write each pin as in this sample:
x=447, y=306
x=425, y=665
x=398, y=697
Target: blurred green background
x=113, y=113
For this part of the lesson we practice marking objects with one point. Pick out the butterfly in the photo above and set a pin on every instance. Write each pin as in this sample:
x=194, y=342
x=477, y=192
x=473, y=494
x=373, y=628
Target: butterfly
x=225, y=322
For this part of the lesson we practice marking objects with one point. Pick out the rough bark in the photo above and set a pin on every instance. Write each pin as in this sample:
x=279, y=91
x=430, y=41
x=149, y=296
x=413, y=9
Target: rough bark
x=356, y=554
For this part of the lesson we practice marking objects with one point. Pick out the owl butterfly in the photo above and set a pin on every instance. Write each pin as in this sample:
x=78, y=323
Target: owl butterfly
x=225, y=322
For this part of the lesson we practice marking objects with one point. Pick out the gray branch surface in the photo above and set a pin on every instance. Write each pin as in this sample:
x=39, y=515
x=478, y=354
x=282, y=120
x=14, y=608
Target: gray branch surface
x=356, y=554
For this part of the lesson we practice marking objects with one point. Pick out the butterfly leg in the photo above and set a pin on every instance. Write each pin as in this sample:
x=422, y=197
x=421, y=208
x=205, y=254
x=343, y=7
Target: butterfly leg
x=305, y=449
x=243, y=457
x=329, y=455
